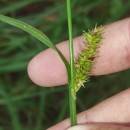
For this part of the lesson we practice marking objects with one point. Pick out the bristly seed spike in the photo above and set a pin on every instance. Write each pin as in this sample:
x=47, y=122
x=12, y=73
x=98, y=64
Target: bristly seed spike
x=84, y=60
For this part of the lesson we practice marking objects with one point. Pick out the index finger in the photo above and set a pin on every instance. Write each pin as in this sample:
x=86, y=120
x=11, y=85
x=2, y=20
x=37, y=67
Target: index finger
x=47, y=69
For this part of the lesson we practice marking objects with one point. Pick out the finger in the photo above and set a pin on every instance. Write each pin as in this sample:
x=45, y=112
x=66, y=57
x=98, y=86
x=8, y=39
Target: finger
x=99, y=127
x=113, y=110
x=47, y=69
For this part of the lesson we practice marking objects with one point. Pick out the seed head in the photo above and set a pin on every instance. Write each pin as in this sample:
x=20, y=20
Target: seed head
x=84, y=61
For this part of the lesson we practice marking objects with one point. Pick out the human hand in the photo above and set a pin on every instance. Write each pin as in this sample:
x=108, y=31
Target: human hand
x=46, y=69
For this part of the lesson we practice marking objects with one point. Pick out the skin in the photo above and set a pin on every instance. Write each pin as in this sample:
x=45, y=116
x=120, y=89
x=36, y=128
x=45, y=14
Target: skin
x=46, y=69
x=99, y=127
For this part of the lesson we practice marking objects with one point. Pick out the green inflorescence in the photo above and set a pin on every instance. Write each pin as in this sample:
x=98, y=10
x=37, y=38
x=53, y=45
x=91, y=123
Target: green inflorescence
x=84, y=61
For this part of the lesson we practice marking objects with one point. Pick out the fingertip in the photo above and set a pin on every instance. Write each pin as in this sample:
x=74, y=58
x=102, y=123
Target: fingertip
x=45, y=69
x=34, y=72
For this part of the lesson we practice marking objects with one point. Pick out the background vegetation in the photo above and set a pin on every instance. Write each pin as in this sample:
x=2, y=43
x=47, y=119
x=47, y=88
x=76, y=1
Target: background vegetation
x=23, y=105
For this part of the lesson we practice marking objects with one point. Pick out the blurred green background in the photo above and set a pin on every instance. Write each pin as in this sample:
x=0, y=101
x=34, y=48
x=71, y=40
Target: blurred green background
x=23, y=105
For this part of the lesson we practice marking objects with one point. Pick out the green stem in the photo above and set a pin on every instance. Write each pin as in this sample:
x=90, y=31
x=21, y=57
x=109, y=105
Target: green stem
x=72, y=105
x=72, y=101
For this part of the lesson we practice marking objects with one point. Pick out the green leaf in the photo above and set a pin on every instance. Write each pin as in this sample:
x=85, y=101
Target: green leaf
x=31, y=30
x=37, y=34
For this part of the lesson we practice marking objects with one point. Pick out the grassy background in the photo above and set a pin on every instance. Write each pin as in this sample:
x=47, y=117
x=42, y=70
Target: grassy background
x=23, y=105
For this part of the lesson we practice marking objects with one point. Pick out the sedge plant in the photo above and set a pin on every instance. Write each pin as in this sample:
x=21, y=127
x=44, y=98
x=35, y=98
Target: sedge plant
x=78, y=69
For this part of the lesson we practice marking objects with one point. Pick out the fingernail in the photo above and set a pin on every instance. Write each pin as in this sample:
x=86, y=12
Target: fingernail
x=78, y=127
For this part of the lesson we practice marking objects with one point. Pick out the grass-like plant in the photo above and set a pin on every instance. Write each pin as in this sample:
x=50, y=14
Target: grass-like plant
x=78, y=70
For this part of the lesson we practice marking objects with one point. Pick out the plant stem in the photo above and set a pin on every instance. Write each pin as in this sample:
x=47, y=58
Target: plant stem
x=72, y=101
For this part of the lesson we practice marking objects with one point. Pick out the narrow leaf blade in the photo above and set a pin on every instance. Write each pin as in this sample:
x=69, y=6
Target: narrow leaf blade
x=31, y=30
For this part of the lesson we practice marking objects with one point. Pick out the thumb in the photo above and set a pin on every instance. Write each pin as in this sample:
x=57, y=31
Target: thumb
x=99, y=127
